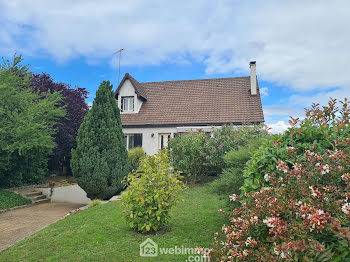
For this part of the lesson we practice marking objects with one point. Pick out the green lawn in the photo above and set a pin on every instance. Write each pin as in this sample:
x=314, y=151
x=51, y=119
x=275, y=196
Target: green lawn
x=101, y=234
x=10, y=199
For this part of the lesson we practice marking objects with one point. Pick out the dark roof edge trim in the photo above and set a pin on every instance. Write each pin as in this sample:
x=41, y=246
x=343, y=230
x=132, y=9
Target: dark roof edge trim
x=192, y=124
x=137, y=86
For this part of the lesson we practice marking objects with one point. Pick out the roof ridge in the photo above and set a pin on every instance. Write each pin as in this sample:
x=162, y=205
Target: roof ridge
x=139, y=88
x=189, y=80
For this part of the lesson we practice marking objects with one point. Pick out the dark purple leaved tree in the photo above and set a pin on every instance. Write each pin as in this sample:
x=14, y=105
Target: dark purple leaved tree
x=76, y=107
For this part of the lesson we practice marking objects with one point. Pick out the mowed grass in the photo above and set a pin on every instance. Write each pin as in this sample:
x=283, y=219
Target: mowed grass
x=10, y=199
x=100, y=233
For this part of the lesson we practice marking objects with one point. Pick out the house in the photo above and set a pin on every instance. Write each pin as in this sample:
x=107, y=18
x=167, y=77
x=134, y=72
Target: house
x=152, y=112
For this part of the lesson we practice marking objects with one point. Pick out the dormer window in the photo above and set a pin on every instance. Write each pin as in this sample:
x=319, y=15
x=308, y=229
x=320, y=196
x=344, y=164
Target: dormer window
x=127, y=104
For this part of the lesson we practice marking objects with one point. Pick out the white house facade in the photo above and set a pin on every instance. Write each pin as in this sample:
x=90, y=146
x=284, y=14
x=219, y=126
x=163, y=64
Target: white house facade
x=154, y=112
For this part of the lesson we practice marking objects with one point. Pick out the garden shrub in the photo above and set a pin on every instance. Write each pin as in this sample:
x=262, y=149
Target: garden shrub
x=189, y=154
x=198, y=155
x=10, y=199
x=100, y=161
x=298, y=208
x=151, y=192
x=230, y=138
x=231, y=179
x=303, y=215
x=135, y=156
x=318, y=130
x=95, y=202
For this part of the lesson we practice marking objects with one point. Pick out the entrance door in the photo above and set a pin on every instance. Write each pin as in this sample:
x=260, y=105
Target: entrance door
x=163, y=141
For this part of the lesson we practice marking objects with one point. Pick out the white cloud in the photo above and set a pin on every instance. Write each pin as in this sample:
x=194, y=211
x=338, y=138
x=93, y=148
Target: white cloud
x=278, y=127
x=301, y=45
x=264, y=91
x=283, y=110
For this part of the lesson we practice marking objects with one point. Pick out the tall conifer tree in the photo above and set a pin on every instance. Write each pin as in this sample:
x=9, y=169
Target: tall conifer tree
x=100, y=161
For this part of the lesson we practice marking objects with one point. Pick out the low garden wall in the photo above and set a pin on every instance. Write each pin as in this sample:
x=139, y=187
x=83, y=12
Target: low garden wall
x=70, y=193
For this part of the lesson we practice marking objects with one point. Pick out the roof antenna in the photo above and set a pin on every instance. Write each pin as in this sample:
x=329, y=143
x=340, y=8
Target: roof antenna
x=120, y=54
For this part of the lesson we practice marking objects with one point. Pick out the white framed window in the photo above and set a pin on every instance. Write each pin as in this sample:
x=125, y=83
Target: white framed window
x=163, y=140
x=133, y=140
x=127, y=104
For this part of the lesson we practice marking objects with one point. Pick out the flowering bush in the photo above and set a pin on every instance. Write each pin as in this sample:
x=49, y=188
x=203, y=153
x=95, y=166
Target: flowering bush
x=304, y=215
x=318, y=129
x=198, y=154
x=230, y=138
x=152, y=190
x=301, y=208
x=189, y=153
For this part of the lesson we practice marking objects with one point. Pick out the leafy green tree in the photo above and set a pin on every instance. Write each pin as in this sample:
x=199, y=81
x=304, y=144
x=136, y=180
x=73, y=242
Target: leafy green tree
x=27, y=121
x=100, y=161
x=68, y=126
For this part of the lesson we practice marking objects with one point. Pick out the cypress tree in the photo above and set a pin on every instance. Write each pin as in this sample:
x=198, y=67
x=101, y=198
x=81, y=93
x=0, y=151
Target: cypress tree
x=100, y=161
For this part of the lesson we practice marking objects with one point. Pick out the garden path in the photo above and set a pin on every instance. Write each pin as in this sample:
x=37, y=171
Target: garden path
x=20, y=223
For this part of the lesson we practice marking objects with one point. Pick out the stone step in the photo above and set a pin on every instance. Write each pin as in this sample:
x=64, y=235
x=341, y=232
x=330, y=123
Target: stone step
x=41, y=201
x=34, y=198
x=33, y=194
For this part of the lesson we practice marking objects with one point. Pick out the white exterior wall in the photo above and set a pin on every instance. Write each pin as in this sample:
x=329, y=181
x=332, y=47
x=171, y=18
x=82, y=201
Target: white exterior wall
x=128, y=90
x=151, y=143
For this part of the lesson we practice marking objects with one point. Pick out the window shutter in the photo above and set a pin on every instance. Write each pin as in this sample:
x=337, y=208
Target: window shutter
x=138, y=140
x=122, y=104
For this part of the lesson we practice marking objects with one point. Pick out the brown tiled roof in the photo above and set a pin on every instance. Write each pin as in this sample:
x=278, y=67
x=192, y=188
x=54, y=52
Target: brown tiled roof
x=197, y=102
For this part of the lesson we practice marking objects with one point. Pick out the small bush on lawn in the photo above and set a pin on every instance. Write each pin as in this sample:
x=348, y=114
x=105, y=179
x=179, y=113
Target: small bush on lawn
x=231, y=179
x=304, y=215
x=189, y=154
x=135, y=156
x=95, y=202
x=151, y=193
x=318, y=130
x=10, y=199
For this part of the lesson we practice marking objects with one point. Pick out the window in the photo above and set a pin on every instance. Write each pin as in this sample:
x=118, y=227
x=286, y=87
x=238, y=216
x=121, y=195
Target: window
x=164, y=140
x=127, y=104
x=133, y=140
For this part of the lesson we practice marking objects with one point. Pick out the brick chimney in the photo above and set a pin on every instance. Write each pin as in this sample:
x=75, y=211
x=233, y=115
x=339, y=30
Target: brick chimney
x=253, y=86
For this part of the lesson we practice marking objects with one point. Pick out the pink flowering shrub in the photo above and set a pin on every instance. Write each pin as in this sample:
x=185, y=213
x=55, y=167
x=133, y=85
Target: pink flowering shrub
x=304, y=215
x=300, y=210
x=318, y=129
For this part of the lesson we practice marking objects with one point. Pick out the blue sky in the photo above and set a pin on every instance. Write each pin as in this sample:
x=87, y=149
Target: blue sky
x=301, y=47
